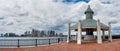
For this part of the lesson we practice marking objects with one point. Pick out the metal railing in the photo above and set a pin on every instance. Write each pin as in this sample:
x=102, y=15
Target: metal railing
x=29, y=42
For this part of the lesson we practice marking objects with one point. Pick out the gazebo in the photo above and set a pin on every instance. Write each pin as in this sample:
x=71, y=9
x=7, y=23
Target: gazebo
x=89, y=25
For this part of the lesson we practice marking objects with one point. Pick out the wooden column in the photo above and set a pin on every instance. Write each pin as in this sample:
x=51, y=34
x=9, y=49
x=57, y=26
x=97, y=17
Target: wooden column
x=79, y=36
x=76, y=35
x=109, y=31
x=99, y=39
x=69, y=32
x=103, y=32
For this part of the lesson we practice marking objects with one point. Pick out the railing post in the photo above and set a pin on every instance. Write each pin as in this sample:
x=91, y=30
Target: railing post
x=18, y=43
x=35, y=42
x=61, y=39
x=58, y=40
x=49, y=41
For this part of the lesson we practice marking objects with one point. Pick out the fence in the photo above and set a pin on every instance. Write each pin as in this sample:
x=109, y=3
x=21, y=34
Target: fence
x=29, y=42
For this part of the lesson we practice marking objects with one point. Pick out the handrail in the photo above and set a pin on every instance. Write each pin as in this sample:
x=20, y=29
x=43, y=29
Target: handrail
x=29, y=42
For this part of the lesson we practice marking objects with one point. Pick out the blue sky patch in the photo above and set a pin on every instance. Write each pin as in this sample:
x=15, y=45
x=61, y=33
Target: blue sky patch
x=107, y=2
x=74, y=1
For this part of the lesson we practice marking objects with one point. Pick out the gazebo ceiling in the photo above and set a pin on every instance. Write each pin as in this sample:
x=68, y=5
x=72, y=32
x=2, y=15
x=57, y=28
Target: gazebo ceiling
x=92, y=29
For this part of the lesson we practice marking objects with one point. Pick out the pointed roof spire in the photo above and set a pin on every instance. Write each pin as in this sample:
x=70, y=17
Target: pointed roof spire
x=89, y=10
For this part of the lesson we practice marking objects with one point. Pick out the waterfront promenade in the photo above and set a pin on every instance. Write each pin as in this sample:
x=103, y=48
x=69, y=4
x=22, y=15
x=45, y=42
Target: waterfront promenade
x=73, y=46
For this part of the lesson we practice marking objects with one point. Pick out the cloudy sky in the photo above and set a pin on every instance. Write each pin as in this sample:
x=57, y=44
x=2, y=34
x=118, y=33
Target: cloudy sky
x=23, y=15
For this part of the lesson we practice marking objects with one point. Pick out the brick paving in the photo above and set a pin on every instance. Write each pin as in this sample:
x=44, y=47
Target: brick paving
x=73, y=46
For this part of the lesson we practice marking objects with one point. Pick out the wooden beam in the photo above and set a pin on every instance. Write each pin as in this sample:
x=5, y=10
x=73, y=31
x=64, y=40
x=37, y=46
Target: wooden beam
x=69, y=33
x=79, y=38
x=109, y=31
x=103, y=32
x=99, y=39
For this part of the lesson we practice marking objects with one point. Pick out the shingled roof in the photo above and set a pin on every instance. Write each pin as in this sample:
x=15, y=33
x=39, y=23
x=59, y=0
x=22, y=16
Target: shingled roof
x=89, y=22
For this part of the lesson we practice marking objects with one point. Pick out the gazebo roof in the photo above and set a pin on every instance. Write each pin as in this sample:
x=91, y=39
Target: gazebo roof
x=89, y=22
x=89, y=10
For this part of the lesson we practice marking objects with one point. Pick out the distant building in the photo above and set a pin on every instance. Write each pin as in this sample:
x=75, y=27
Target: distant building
x=12, y=35
x=6, y=35
x=42, y=33
x=61, y=34
x=2, y=35
x=9, y=35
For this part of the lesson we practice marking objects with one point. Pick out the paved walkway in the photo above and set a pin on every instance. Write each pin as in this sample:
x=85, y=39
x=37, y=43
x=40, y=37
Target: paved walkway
x=93, y=46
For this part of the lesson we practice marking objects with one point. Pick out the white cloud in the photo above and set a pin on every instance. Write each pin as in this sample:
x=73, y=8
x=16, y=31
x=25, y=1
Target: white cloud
x=21, y=15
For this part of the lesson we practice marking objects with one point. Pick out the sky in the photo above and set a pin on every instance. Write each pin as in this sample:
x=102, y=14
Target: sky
x=19, y=16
